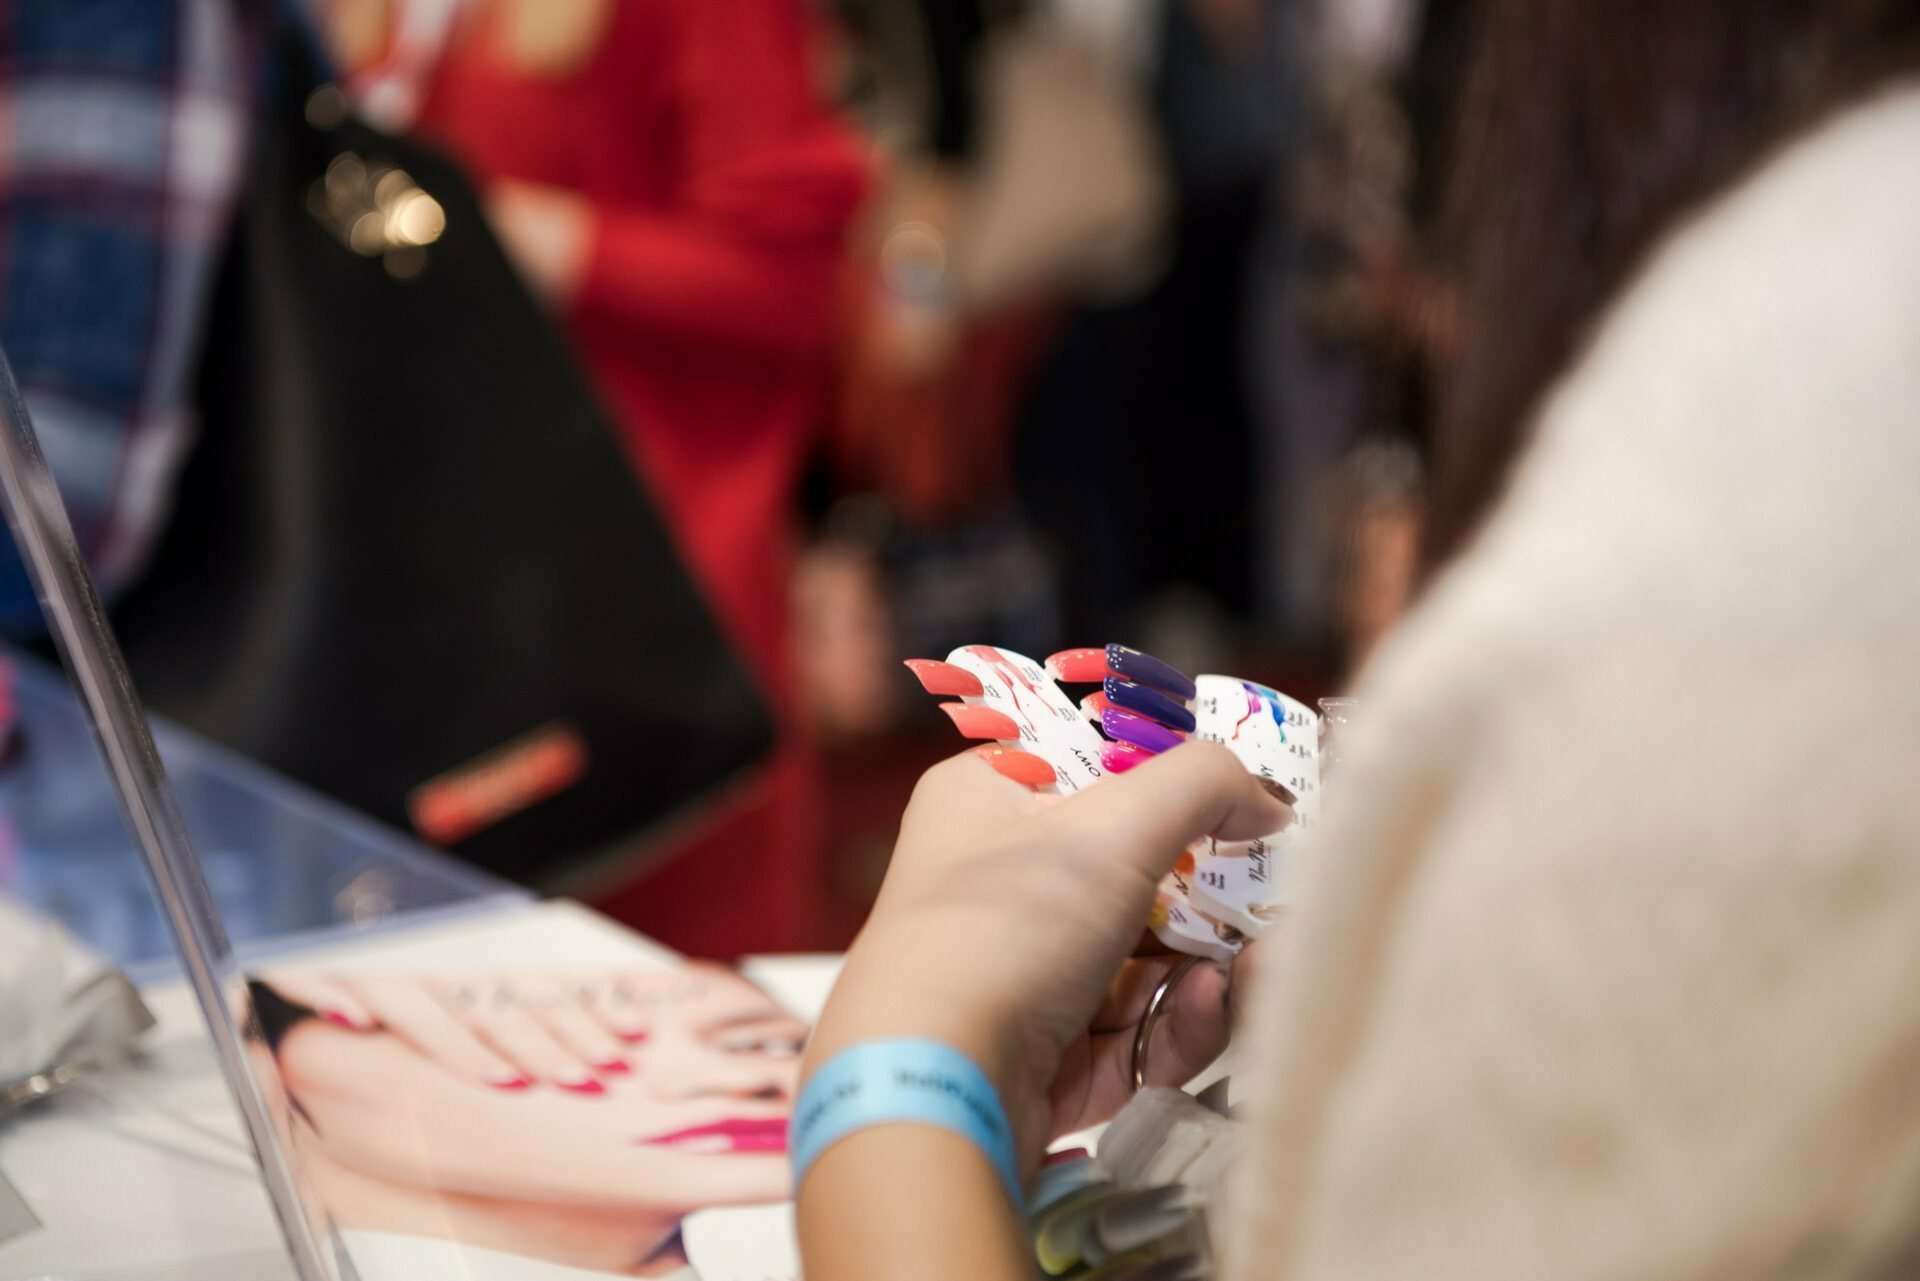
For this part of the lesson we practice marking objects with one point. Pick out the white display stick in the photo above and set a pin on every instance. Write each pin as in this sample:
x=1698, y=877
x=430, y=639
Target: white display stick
x=98, y=672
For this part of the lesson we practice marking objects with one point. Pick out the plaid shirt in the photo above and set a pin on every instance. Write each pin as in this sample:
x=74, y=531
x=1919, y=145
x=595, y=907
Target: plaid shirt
x=122, y=138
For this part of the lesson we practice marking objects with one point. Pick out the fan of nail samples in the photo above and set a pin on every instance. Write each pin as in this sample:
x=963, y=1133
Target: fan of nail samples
x=1219, y=893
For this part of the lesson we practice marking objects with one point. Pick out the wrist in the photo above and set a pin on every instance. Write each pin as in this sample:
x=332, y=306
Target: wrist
x=904, y=1081
x=867, y=1008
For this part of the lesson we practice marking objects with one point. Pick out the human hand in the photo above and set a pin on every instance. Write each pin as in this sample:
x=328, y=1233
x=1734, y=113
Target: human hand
x=547, y=232
x=510, y=1034
x=1006, y=921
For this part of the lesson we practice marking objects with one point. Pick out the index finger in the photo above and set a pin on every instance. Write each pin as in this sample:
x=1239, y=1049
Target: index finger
x=1148, y=815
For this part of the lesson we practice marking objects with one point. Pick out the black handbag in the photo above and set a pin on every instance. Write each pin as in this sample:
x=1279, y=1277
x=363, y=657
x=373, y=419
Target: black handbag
x=409, y=563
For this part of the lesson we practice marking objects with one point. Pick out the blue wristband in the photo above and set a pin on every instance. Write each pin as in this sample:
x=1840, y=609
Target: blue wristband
x=918, y=1082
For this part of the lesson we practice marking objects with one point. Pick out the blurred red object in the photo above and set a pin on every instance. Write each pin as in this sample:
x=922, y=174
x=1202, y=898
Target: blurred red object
x=923, y=418
x=924, y=391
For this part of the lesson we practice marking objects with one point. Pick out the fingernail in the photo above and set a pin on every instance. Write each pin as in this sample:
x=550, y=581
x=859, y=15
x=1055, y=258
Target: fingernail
x=579, y=1083
x=1138, y=730
x=631, y=1035
x=1021, y=767
x=1148, y=701
x=1148, y=670
x=1118, y=758
x=510, y=1081
x=1184, y=865
x=981, y=722
x=340, y=1018
x=1276, y=790
x=613, y=1067
x=1077, y=666
x=945, y=679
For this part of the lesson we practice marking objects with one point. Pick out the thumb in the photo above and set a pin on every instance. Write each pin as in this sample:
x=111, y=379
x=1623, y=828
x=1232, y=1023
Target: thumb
x=1148, y=815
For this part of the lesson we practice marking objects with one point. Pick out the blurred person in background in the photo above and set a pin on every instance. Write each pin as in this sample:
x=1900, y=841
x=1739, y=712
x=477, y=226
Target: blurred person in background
x=1161, y=371
x=668, y=178
x=1023, y=174
x=1056, y=278
x=1603, y=969
x=1355, y=312
x=122, y=145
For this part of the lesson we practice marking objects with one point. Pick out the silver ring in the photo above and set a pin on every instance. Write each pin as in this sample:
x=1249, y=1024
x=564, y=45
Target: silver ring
x=1143, y=1035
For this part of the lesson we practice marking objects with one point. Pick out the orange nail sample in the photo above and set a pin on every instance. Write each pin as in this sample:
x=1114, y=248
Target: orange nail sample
x=1022, y=767
x=945, y=679
x=981, y=722
x=1077, y=665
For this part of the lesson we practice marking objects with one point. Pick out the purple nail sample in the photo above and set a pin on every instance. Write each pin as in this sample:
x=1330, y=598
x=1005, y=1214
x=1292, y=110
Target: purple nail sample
x=1148, y=670
x=1130, y=727
x=1147, y=701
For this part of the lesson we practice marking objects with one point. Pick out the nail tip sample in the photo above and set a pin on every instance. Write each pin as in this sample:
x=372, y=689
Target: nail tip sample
x=1020, y=767
x=1149, y=702
x=945, y=679
x=981, y=722
x=1131, y=663
x=1077, y=666
x=1130, y=727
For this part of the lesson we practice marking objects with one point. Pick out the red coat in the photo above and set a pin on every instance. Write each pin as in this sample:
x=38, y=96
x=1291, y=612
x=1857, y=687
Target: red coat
x=723, y=189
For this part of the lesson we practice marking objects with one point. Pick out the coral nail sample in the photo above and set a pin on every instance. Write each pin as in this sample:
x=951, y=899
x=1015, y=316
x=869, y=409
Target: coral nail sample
x=981, y=722
x=1075, y=666
x=1021, y=767
x=945, y=679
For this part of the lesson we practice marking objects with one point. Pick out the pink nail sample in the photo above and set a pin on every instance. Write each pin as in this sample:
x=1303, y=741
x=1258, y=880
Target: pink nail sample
x=1118, y=758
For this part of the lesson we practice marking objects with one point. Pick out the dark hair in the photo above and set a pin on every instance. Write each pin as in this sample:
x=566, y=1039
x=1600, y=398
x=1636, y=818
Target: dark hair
x=1587, y=129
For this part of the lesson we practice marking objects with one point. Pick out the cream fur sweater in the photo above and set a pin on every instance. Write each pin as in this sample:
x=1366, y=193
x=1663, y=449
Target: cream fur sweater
x=1612, y=968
